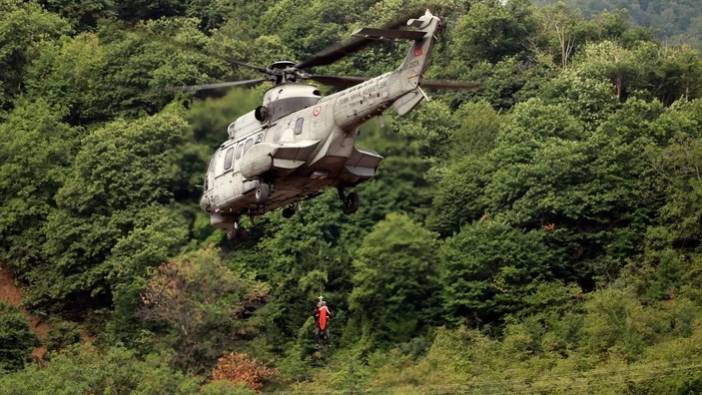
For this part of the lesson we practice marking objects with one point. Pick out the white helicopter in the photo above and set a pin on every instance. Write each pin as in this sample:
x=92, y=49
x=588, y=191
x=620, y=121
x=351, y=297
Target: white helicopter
x=299, y=142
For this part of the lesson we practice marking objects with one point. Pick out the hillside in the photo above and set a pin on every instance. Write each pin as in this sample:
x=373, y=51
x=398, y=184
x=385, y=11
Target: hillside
x=673, y=21
x=541, y=233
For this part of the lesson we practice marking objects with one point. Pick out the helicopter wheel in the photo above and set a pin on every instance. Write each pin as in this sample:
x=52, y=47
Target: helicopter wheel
x=289, y=211
x=351, y=203
x=262, y=191
x=233, y=233
x=237, y=233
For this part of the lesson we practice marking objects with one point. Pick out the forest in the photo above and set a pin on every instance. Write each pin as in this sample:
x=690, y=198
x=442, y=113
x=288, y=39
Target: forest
x=673, y=21
x=541, y=233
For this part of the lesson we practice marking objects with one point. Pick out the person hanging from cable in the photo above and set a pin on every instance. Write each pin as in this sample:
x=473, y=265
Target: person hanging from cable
x=322, y=315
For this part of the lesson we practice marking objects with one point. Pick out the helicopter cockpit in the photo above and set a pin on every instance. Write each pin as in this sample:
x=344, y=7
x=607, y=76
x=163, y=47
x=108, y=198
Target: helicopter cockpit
x=287, y=98
x=277, y=102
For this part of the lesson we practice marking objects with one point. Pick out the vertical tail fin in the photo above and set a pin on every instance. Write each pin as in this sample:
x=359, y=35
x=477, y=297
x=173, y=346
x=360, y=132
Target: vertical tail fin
x=417, y=57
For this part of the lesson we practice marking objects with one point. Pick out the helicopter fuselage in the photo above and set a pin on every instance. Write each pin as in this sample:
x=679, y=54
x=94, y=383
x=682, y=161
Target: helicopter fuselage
x=298, y=142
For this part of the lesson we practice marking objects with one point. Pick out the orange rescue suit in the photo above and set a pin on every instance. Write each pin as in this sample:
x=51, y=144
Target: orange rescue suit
x=323, y=314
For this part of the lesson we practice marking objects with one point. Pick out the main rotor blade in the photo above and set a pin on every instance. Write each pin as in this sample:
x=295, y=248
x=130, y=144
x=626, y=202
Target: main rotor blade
x=448, y=84
x=337, y=81
x=251, y=66
x=345, y=82
x=337, y=51
x=219, y=85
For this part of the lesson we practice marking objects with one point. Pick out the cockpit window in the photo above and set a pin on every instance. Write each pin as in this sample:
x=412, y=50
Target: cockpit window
x=298, y=125
x=282, y=107
x=228, y=159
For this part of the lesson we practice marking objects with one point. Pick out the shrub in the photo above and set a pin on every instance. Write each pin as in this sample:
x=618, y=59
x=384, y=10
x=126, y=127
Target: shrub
x=16, y=339
x=62, y=334
x=240, y=368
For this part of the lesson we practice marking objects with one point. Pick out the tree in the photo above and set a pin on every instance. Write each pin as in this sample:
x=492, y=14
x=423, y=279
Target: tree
x=16, y=338
x=395, y=283
x=492, y=31
x=458, y=195
x=611, y=61
x=62, y=334
x=67, y=75
x=114, y=370
x=560, y=21
x=206, y=307
x=36, y=152
x=121, y=175
x=489, y=268
x=128, y=164
x=83, y=14
x=23, y=25
x=143, y=64
x=478, y=127
x=678, y=166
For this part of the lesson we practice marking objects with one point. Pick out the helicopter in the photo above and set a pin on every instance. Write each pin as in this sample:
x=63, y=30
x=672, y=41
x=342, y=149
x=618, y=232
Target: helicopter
x=298, y=142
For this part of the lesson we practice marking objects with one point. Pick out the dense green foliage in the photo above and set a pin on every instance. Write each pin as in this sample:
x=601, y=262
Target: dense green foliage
x=540, y=233
x=16, y=338
x=672, y=20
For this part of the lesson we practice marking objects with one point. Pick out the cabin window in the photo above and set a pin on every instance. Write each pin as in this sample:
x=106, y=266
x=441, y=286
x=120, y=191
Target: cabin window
x=238, y=150
x=298, y=125
x=228, y=159
x=259, y=138
x=249, y=143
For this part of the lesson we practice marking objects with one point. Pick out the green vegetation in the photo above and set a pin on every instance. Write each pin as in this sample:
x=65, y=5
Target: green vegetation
x=675, y=21
x=541, y=233
x=16, y=338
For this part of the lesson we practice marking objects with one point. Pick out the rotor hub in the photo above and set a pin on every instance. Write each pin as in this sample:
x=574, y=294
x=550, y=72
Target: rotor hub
x=284, y=71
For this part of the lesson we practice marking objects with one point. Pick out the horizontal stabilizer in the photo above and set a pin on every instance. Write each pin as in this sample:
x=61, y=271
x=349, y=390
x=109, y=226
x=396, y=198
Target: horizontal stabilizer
x=363, y=164
x=298, y=150
x=287, y=164
x=291, y=156
x=406, y=103
x=387, y=34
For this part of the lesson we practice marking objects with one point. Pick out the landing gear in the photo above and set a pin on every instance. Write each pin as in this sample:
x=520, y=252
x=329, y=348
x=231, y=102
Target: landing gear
x=350, y=202
x=234, y=231
x=289, y=211
x=237, y=233
x=262, y=193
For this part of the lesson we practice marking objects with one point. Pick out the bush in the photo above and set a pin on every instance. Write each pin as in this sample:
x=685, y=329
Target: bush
x=84, y=369
x=16, y=339
x=62, y=334
x=205, y=307
x=240, y=368
x=224, y=387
